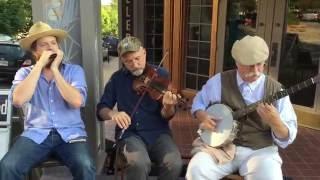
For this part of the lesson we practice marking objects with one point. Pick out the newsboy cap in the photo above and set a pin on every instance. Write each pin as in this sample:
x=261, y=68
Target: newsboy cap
x=250, y=50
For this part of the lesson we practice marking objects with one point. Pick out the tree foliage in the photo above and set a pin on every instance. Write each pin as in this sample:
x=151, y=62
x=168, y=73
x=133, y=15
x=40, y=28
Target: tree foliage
x=109, y=19
x=305, y=4
x=15, y=16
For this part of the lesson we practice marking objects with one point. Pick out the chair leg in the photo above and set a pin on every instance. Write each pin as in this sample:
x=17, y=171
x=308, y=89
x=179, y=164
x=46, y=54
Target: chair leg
x=116, y=167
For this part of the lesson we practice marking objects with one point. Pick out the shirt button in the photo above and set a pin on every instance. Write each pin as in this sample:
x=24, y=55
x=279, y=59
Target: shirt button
x=51, y=100
x=137, y=124
x=52, y=113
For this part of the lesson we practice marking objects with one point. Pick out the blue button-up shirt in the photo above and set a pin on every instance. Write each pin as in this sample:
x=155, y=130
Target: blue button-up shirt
x=147, y=121
x=47, y=109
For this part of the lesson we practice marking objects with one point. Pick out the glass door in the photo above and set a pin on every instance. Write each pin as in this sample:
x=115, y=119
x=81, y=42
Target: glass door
x=241, y=21
x=300, y=50
x=197, y=43
x=290, y=28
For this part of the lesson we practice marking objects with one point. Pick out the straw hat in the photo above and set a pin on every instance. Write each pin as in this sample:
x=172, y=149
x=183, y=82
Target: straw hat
x=250, y=50
x=39, y=30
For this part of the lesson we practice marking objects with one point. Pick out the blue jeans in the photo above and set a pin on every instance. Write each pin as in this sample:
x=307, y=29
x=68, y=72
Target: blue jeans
x=163, y=153
x=25, y=154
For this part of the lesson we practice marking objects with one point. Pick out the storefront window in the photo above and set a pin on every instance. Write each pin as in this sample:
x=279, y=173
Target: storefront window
x=198, y=38
x=301, y=51
x=153, y=30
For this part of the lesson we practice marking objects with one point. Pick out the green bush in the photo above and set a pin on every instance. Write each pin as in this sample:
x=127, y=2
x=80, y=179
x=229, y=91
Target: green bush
x=109, y=19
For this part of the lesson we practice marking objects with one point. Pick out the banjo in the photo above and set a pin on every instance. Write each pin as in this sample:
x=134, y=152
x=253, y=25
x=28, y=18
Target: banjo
x=226, y=129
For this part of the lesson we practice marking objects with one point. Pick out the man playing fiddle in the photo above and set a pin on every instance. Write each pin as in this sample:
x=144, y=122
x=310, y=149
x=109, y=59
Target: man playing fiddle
x=142, y=122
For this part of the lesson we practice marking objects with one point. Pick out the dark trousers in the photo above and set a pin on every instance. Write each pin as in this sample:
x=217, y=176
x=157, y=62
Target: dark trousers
x=164, y=153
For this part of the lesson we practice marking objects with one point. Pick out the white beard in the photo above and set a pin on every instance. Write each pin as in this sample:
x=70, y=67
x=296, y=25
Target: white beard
x=137, y=72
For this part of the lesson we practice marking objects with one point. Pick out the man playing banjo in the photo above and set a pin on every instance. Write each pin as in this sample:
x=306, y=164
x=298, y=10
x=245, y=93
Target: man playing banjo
x=253, y=152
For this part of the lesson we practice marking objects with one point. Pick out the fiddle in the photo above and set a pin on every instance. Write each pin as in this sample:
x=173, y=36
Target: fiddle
x=153, y=84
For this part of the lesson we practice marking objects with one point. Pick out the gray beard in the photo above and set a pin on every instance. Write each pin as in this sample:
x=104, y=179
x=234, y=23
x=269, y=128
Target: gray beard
x=137, y=72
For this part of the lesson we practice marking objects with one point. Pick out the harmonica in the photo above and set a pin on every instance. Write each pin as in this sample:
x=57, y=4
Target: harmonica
x=52, y=57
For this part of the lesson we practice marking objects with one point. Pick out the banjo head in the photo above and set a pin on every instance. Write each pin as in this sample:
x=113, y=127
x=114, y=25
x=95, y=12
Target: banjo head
x=224, y=126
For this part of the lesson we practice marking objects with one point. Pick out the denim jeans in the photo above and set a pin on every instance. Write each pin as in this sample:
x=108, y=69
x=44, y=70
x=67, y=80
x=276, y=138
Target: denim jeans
x=25, y=154
x=163, y=153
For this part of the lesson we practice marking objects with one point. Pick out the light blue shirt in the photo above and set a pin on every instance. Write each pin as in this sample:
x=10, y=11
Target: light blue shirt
x=251, y=92
x=48, y=110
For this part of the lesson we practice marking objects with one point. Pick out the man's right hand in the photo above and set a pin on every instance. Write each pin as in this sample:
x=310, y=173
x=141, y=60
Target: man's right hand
x=44, y=58
x=207, y=122
x=122, y=119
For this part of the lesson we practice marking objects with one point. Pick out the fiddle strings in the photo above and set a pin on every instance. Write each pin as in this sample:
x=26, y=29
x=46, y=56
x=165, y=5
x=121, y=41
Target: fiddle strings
x=162, y=91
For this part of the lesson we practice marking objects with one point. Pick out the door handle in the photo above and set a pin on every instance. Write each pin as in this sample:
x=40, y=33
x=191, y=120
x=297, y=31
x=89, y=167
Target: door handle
x=274, y=54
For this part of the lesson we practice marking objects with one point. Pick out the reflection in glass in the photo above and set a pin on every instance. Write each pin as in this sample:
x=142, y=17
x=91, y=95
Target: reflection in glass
x=197, y=46
x=191, y=81
x=206, y=15
x=205, y=33
x=206, y=2
x=192, y=65
x=194, y=32
x=194, y=2
x=194, y=15
x=203, y=67
x=300, y=53
x=153, y=21
x=192, y=49
x=204, y=50
x=241, y=20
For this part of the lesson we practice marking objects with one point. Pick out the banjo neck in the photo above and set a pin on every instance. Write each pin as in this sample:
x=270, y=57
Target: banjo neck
x=278, y=95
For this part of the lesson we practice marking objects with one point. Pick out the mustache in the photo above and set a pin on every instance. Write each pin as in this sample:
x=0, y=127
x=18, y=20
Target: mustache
x=252, y=74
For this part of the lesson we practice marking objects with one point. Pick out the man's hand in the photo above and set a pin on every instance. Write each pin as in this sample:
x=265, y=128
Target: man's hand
x=122, y=119
x=207, y=122
x=169, y=101
x=57, y=61
x=44, y=58
x=269, y=114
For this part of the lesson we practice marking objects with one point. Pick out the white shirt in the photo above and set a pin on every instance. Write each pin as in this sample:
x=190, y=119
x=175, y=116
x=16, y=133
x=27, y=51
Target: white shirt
x=251, y=92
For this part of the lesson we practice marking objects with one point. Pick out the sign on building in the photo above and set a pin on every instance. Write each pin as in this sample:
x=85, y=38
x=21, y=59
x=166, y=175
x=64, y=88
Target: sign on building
x=127, y=17
x=5, y=122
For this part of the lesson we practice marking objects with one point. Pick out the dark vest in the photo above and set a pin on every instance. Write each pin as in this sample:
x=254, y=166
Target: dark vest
x=253, y=132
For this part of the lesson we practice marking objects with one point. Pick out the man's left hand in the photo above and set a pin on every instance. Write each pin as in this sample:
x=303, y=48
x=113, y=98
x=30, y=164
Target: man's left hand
x=169, y=99
x=57, y=61
x=269, y=114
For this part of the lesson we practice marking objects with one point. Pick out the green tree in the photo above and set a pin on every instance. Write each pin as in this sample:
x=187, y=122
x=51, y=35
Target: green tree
x=15, y=16
x=109, y=19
